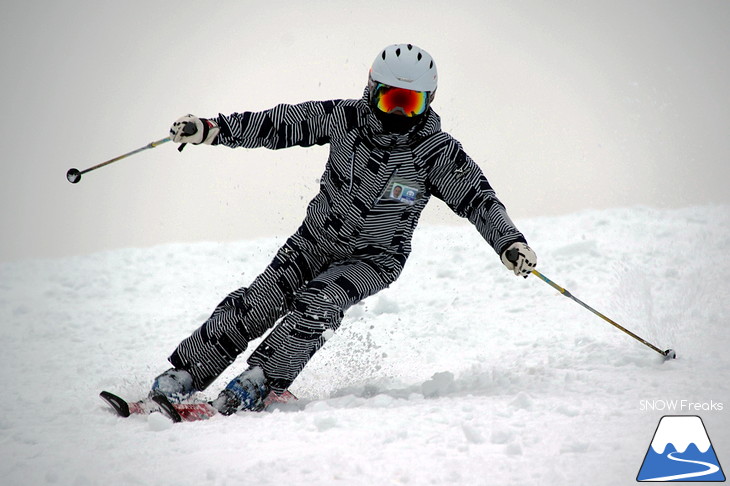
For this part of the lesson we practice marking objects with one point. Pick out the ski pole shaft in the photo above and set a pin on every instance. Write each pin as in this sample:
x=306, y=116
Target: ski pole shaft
x=669, y=353
x=74, y=175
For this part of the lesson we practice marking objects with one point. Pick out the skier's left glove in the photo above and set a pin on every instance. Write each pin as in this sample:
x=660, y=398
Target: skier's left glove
x=191, y=129
x=519, y=258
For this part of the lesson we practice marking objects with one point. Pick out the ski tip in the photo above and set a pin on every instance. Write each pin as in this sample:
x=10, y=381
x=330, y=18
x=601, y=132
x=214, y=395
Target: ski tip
x=167, y=408
x=670, y=354
x=117, y=403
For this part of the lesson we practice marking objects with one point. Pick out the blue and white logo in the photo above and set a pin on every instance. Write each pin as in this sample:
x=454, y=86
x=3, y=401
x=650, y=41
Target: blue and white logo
x=681, y=451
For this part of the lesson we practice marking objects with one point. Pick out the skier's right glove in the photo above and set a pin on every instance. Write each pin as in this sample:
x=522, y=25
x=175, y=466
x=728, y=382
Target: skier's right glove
x=191, y=129
x=519, y=258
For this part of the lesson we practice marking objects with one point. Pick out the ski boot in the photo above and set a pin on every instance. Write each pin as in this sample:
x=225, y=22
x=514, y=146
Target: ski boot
x=174, y=384
x=245, y=392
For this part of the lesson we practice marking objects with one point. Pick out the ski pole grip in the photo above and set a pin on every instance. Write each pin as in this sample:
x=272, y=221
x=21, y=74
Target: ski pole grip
x=188, y=129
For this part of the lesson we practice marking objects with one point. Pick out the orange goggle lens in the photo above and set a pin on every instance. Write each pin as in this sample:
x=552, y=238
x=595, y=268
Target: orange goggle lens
x=399, y=100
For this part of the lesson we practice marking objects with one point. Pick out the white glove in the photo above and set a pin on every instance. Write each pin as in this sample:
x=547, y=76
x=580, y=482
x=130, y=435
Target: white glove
x=191, y=129
x=519, y=258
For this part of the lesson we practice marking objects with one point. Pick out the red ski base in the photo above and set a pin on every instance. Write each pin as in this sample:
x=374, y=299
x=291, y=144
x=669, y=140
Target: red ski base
x=187, y=412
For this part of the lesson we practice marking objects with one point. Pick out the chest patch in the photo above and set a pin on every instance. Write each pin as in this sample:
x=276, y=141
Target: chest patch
x=402, y=190
x=404, y=194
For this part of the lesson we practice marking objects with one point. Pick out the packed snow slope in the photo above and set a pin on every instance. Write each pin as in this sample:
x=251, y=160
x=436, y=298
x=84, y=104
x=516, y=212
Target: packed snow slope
x=459, y=373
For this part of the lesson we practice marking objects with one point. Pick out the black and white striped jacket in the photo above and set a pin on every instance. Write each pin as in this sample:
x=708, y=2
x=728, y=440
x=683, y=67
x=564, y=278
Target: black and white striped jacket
x=375, y=184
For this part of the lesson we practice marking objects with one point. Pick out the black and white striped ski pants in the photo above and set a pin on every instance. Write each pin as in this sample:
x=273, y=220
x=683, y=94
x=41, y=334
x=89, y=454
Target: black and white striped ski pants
x=305, y=284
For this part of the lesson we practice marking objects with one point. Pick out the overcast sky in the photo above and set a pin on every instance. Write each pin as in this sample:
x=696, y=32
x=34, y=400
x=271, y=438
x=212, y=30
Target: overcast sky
x=566, y=105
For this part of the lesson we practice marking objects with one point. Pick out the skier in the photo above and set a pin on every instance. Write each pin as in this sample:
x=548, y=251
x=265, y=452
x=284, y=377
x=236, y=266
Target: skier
x=355, y=238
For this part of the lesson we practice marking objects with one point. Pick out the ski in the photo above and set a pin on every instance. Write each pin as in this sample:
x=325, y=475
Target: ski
x=177, y=412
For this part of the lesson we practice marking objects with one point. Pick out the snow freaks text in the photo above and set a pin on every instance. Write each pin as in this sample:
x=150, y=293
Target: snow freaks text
x=679, y=406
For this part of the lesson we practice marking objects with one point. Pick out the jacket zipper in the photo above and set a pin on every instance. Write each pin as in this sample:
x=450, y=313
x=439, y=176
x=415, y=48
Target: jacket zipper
x=353, y=158
x=352, y=170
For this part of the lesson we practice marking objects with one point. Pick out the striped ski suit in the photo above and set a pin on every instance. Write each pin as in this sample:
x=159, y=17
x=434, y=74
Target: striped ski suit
x=354, y=240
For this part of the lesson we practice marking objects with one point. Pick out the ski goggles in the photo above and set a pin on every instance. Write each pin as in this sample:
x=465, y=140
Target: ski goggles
x=389, y=99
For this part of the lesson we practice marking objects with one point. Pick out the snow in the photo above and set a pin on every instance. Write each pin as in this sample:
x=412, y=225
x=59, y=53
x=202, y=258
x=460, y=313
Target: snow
x=459, y=373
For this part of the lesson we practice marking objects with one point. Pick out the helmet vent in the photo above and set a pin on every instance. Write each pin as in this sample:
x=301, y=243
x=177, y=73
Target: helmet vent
x=383, y=55
x=420, y=56
x=431, y=66
x=410, y=46
x=397, y=52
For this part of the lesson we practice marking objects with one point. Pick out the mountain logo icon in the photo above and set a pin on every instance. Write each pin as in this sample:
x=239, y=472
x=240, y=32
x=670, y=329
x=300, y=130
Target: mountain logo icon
x=681, y=451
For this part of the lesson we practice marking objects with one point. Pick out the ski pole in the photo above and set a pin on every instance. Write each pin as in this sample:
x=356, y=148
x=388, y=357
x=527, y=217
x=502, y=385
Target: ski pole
x=668, y=354
x=513, y=255
x=74, y=175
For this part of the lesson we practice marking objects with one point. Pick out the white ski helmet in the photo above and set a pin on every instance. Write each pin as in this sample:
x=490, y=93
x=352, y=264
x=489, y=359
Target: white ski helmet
x=405, y=66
